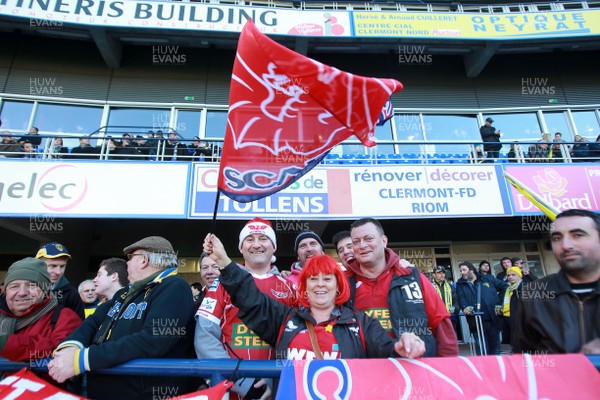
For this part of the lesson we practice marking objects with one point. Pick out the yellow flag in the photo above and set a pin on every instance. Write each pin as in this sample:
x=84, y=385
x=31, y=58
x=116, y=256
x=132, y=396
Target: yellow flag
x=533, y=197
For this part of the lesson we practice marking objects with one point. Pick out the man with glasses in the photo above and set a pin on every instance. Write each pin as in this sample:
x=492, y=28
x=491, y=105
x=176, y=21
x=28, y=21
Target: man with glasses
x=152, y=318
x=396, y=293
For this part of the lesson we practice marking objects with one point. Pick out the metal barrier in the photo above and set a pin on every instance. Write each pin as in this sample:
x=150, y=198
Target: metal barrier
x=398, y=152
x=193, y=367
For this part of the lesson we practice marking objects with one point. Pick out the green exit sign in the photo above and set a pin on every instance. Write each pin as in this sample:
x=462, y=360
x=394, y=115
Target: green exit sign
x=553, y=101
x=189, y=98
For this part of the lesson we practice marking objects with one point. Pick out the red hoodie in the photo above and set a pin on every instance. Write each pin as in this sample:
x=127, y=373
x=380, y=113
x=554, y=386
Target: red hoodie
x=39, y=339
x=371, y=297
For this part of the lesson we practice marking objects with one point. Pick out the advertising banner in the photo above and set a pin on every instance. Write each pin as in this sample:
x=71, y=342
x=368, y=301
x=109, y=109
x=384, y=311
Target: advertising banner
x=307, y=198
x=94, y=189
x=128, y=189
x=497, y=26
x=561, y=186
x=524, y=376
x=52, y=14
x=381, y=192
x=178, y=15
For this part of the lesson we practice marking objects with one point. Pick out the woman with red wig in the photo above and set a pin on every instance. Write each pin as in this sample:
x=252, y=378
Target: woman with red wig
x=320, y=327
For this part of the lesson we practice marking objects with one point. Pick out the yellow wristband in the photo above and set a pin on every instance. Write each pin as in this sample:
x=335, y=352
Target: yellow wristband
x=76, y=365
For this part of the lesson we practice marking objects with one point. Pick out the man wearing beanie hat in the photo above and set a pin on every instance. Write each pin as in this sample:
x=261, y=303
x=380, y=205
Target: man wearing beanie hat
x=56, y=256
x=152, y=317
x=306, y=245
x=217, y=321
x=32, y=323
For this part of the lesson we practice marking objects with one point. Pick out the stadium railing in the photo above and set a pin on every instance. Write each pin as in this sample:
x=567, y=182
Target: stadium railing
x=388, y=152
x=216, y=369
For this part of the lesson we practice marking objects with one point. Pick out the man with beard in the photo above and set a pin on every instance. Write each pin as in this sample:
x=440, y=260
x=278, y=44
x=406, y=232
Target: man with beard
x=481, y=293
x=561, y=312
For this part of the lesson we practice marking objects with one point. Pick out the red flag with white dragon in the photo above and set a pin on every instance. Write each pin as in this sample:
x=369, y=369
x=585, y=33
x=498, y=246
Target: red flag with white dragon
x=286, y=111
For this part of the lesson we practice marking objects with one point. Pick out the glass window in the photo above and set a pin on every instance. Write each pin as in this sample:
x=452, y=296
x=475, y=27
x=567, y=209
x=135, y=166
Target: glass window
x=587, y=124
x=15, y=115
x=517, y=127
x=557, y=122
x=188, y=123
x=408, y=127
x=353, y=146
x=534, y=262
x=67, y=119
x=216, y=122
x=451, y=127
x=138, y=120
x=383, y=133
x=531, y=247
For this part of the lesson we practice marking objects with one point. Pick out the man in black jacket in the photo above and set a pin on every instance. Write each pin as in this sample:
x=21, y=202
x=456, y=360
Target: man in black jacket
x=561, y=312
x=481, y=293
x=84, y=150
x=152, y=318
x=491, y=137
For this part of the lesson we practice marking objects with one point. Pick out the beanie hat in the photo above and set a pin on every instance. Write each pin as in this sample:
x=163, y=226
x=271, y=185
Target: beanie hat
x=152, y=244
x=516, y=270
x=29, y=269
x=305, y=235
x=258, y=226
x=53, y=250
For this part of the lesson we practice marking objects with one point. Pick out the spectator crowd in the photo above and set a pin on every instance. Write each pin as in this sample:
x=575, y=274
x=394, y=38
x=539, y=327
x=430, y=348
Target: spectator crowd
x=155, y=146
x=369, y=304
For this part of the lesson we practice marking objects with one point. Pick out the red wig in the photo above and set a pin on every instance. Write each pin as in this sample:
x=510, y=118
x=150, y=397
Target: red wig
x=326, y=265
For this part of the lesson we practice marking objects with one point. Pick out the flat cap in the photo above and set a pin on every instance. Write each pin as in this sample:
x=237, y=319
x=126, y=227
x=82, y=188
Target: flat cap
x=153, y=244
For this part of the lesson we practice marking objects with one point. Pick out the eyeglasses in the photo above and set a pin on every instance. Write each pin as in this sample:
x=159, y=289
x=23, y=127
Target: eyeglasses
x=131, y=255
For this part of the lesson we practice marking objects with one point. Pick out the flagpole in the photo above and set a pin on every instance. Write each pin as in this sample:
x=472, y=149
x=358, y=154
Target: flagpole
x=550, y=211
x=213, y=225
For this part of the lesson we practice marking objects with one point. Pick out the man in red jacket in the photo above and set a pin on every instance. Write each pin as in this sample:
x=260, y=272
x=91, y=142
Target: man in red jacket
x=397, y=294
x=32, y=323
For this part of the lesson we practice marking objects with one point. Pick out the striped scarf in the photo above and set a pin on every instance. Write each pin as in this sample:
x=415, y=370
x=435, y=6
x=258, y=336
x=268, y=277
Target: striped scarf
x=447, y=296
x=507, y=295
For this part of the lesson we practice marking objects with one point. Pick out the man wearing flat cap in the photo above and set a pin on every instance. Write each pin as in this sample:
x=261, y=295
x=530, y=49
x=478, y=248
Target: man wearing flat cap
x=151, y=318
x=491, y=137
x=306, y=245
x=32, y=323
x=56, y=256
